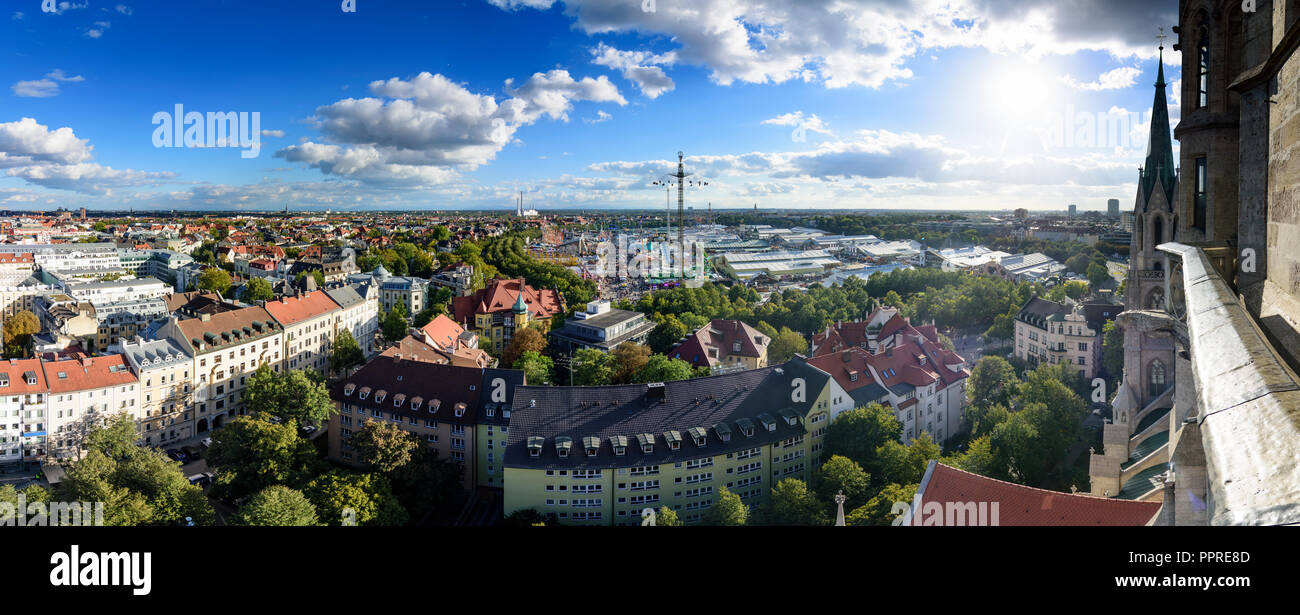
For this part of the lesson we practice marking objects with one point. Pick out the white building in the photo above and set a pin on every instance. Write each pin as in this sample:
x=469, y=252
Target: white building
x=164, y=371
x=357, y=314
x=118, y=291
x=308, y=322
x=85, y=392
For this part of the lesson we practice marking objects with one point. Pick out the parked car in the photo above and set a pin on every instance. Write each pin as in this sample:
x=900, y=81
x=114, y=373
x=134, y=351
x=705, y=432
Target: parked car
x=178, y=455
x=307, y=430
x=207, y=442
x=193, y=452
x=202, y=479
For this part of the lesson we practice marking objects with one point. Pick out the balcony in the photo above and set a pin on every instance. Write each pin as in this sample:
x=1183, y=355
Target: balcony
x=1239, y=420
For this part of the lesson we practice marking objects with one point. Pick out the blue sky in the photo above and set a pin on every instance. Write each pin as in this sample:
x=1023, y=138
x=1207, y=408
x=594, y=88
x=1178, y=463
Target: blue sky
x=917, y=104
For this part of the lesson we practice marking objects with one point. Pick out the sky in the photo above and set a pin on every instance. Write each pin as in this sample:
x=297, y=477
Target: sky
x=579, y=104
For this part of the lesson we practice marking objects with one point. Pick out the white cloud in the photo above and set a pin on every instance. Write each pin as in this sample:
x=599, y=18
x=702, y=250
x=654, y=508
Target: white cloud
x=279, y=134
x=863, y=42
x=58, y=75
x=17, y=15
x=1118, y=79
x=639, y=67
x=811, y=123
x=601, y=116
x=39, y=88
x=124, y=9
x=58, y=159
x=425, y=128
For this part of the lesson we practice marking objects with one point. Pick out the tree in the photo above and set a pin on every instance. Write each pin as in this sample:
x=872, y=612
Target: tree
x=524, y=340
x=1112, y=349
x=1098, y=275
x=258, y=289
x=394, y=324
x=791, y=503
x=663, y=369
x=727, y=510
x=348, y=497
x=843, y=475
x=592, y=367
x=1003, y=327
x=1076, y=290
x=906, y=463
x=383, y=446
x=785, y=345
x=1078, y=263
x=881, y=508
x=116, y=438
x=857, y=433
x=279, y=506
x=215, y=280
x=529, y=517
x=537, y=368
x=992, y=381
x=18, y=331
x=667, y=517
x=667, y=334
x=346, y=352
x=977, y=458
x=629, y=358
x=294, y=396
x=251, y=454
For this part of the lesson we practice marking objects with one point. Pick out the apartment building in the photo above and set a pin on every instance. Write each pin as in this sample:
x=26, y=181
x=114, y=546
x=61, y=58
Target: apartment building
x=83, y=392
x=309, y=329
x=118, y=290
x=227, y=347
x=600, y=455
x=357, y=314
x=409, y=292
x=603, y=328
x=59, y=256
x=23, y=405
x=164, y=370
x=1051, y=332
x=504, y=306
x=724, y=345
x=16, y=267
x=440, y=404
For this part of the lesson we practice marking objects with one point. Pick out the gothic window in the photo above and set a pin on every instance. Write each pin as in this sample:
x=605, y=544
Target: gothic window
x=1199, y=206
x=1156, y=378
x=1158, y=234
x=1203, y=86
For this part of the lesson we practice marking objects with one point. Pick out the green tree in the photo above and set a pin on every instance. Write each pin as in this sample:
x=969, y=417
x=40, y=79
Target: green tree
x=1076, y=290
x=1098, y=275
x=1003, y=327
x=727, y=510
x=843, y=475
x=346, y=352
x=294, y=396
x=884, y=508
x=18, y=331
x=667, y=334
x=976, y=459
x=258, y=289
x=906, y=463
x=251, y=454
x=663, y=369
x=347, y=497
x=383, y=446
x=394, y=324
x=785, y=345
x=791, y=503
x=858, y=433
x=215, y=280
x=1078, y=263
x=1112, y=350
x=592, y=367
x=538, y=369
x=667, y=517
x=117, y=438
x=992, y=381
x=278, y=506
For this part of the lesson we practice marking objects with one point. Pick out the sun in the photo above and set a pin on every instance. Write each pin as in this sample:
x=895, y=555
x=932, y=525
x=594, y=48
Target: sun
x=1020, y=93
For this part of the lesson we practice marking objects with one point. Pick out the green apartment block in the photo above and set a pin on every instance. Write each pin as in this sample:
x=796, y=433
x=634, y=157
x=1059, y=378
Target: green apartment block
x=600, y=455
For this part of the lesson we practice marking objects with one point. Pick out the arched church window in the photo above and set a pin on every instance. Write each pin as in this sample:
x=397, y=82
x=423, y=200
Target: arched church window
x=1203, y=85
x=1158, y=233
x=1156, y=378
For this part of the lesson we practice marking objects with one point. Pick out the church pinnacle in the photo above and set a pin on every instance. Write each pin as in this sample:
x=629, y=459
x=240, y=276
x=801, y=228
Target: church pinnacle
x=1160, y=169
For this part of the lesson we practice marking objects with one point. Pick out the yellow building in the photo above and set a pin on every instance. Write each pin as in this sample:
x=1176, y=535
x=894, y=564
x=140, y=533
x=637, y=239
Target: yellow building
x=502, y=308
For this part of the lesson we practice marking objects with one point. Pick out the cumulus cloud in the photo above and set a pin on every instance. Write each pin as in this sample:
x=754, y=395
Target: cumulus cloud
x=1118, y=79
x=419, y=131
x=811, y=123
x=44, y=88
x=124, y=9
x=863, y=42
x=601, y=116
x=640, y=67
x=58, y=159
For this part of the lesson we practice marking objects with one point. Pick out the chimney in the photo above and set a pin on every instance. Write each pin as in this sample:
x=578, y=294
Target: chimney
x=848, y=355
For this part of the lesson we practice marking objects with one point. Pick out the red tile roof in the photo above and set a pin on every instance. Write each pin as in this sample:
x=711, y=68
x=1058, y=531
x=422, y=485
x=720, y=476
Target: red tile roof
x=722, y=335
x=17, y=257
x=1021, y=505
x=289, y=311
x=501, y=295
x=87, y=373
x=443, y=331
x=16, y=370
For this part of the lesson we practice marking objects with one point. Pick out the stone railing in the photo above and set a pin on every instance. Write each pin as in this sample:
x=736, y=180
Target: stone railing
x=1247, y=402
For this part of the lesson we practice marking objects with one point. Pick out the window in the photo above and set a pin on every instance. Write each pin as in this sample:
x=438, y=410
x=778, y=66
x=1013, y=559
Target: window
x=1203, y=86
x=1200, y=205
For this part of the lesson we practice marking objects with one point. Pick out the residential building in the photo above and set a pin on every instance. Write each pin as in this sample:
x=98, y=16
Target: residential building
x=84, y=392
x=309, y=329
x=15, y=268
x=409, y=292
x=358, y=315
x=724, y=345
x=601, y=455
x=494, y=313
x=24, y=405
x=164, y=371
x=1070, y=332
x=227, y=347
x=602, y=327
x=459, y=278
x=118, y=290
x=863, y=334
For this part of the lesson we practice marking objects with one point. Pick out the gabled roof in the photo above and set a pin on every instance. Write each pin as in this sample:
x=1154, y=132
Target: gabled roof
x=17, y=371
x=721, y=335
x=1019, y=505
x=440, y=387
x=289, y=311
x=502, y=295
x=87, y=373
x=443, y=331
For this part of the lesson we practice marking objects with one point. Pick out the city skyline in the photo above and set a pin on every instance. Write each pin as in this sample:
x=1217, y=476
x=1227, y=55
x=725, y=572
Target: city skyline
x=580, y=105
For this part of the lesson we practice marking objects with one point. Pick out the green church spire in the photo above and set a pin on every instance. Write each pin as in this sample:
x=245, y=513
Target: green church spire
x=1160, y=169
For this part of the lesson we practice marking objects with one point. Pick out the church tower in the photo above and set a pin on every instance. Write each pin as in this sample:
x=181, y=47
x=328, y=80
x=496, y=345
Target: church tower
x=1149, y=362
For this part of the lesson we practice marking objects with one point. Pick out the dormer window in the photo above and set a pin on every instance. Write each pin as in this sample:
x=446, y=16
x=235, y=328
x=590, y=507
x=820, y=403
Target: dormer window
x=619, y=444
x=699, y=435
x=790, y=416
x=674, y=439
x=435, y=405
x=735, y=347
x=647, y=442
x=591, y=444
x=490, y=409
x=398, y=400
x=460, y=409
x=724, y=431
x=746, y=427
x=380, y=395
x=4, y=380
x=364, y=392
x=415, y=403
x=535, y=446
x=563, y=444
